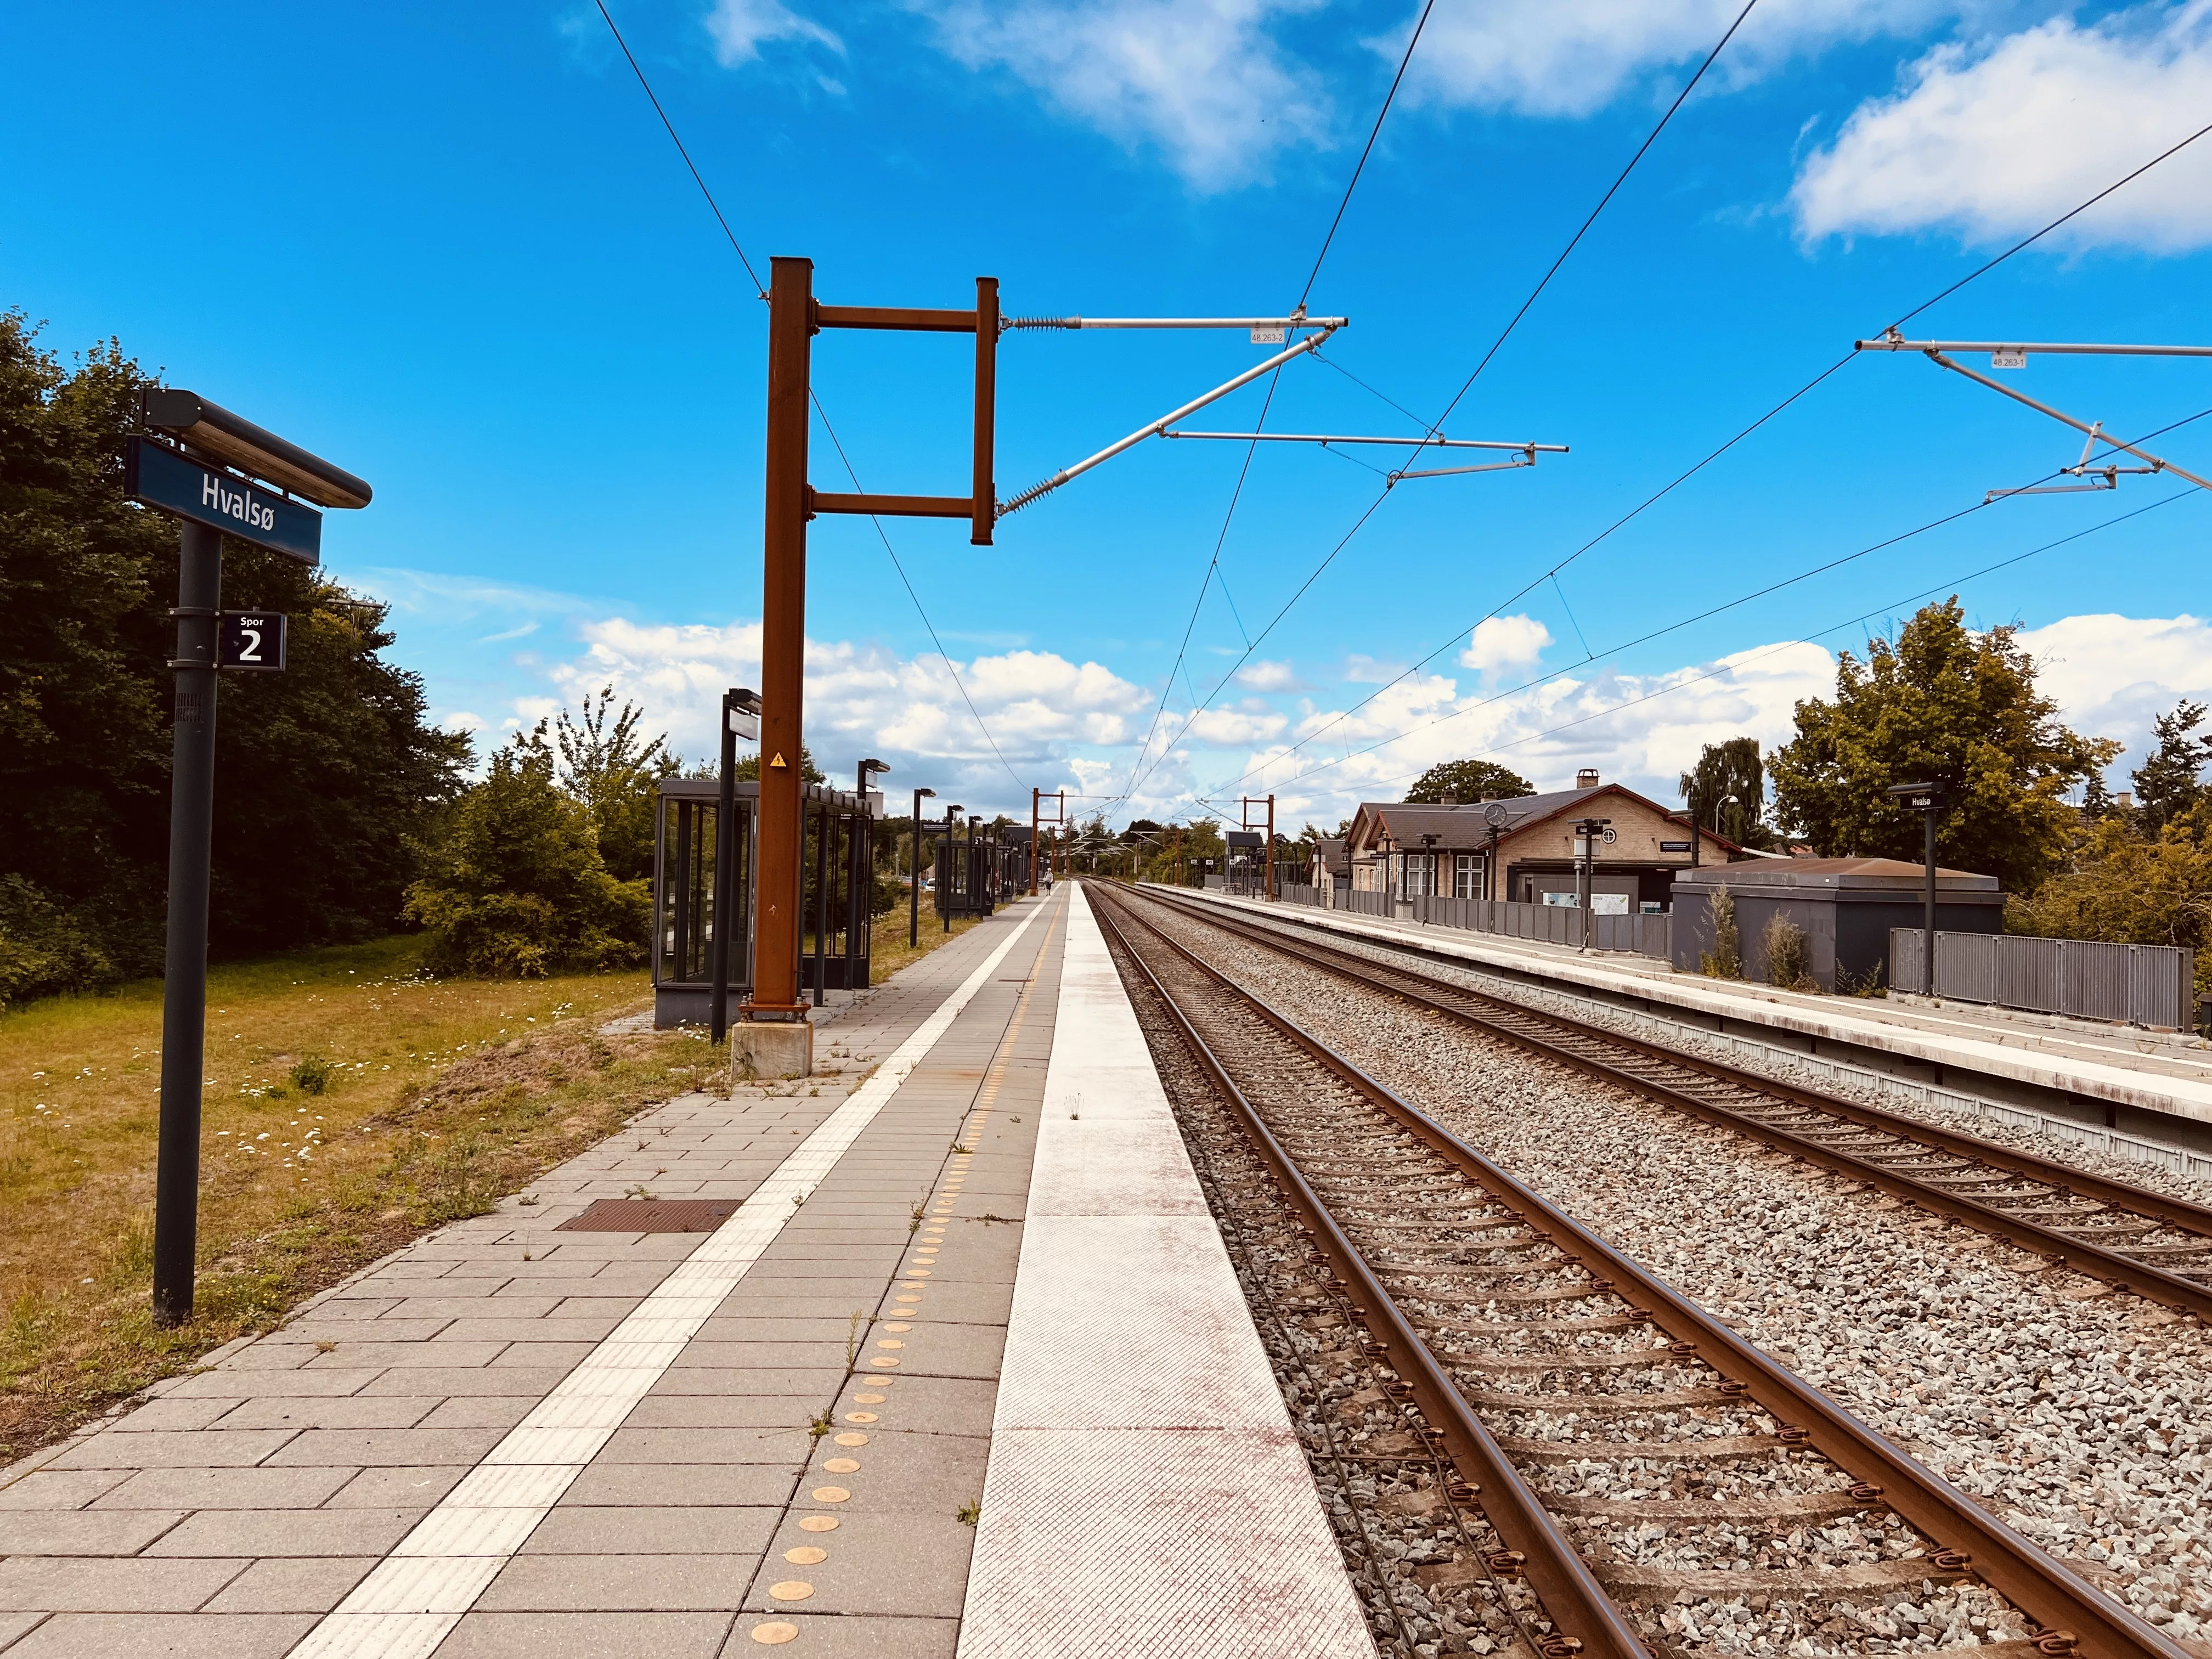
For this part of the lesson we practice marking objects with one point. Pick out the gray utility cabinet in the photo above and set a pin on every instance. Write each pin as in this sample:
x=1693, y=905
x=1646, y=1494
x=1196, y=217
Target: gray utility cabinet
x=1845, y=906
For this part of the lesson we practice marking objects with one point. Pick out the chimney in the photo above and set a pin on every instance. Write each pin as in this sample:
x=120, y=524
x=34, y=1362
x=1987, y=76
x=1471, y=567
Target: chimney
x=1448, y=800
x=1587, y=778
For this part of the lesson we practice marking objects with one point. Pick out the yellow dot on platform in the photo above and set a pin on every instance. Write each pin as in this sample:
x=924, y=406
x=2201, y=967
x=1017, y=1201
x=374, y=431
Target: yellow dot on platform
x=817, y=1523
x=842, y=1465
x=918, y=1273
x=806, y=1555
x=775, y=1633
x=830, y=1494
x=891, y=1342
x=883, y=1362
x=899, y=1328
x=862, y=1417
x=791, y=1589
x=868, y=1399
x=854, y=1439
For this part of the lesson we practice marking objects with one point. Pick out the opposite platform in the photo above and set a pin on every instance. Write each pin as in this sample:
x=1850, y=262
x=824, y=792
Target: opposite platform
x=1147, y=1494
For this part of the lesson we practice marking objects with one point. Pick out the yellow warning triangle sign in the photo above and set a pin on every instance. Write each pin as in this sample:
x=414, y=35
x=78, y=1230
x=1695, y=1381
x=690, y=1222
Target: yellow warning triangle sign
x=777, y=764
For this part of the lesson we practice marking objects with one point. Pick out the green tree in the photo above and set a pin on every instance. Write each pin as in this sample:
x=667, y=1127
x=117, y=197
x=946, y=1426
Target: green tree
x=2169, y=783
x=1726, y=792
x=516, y=888
x=1469, y=780
x=1945, y=704
x=326, y=775
x=2130, y=888
x=617, y=775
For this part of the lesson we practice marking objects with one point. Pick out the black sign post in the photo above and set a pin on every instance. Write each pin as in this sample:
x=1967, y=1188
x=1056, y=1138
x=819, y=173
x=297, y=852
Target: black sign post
x=210, y=500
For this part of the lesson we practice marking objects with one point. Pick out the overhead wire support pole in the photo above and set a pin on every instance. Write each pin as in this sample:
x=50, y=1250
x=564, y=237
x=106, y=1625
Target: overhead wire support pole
x=2094, y=431
x=1417, y=442
x=1154, y=428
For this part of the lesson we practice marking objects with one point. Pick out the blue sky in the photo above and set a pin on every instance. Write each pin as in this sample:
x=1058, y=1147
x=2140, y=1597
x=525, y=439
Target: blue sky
x=451, y=248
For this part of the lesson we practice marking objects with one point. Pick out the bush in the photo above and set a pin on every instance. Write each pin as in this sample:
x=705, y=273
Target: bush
x=43, y=949
x=1788, y=954
x=311, y=1076
x=517, y=889
x=1725, y=959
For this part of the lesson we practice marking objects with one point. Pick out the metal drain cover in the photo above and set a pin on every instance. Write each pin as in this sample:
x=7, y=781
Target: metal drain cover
x=652, y=1215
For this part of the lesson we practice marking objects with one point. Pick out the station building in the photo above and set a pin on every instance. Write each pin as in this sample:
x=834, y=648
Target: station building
x=1452, y=849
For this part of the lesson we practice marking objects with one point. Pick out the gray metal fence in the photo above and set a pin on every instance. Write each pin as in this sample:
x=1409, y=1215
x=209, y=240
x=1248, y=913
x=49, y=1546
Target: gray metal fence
x=1297, y=892
x=2151, y=984
x=1555, y=924
x=1362, y=901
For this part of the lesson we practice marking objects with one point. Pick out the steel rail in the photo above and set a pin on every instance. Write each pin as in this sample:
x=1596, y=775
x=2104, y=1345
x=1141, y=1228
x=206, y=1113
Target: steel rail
x=2075, y=1616
x=2098, y=1261
x=1586, y=1620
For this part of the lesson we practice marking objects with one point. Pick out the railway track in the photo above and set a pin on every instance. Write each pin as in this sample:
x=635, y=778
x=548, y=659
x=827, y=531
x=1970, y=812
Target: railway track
x=1535, y=1351
x=2159, y=1246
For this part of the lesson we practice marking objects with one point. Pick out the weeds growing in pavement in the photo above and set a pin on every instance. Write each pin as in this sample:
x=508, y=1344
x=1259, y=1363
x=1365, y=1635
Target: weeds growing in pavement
x=1725, y=959
x=970, y=1512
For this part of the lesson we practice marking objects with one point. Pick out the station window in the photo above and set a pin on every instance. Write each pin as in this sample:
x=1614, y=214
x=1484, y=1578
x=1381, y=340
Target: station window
x=1417, y=875
x=1466, y=875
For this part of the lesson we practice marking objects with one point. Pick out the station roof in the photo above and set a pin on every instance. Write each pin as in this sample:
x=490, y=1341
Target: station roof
x=1839, y=874
x=1463, y=828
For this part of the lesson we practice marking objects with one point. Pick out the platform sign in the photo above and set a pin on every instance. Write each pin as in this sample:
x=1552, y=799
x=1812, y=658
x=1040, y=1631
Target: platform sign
x=251, y=640
x=158, y=477
x=1242, y=838
x=1674, y=846
x=745, y=724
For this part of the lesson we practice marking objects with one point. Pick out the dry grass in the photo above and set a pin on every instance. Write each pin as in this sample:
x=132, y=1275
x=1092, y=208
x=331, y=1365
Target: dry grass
x=436, y=1098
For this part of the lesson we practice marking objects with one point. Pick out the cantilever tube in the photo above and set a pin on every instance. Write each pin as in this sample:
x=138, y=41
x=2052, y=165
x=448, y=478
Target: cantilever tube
x=1154, y=428
x=2157, y=466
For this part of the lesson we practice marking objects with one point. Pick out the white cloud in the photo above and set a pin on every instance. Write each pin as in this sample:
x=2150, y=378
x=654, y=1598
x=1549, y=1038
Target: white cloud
x=1500, y=642
x=1202, y=81
x=1991, y=141
x=1638, y=729
x=1568, y=58
x=863, y=699
x=1264, y=676
x=739, y=28
x=2111, y=674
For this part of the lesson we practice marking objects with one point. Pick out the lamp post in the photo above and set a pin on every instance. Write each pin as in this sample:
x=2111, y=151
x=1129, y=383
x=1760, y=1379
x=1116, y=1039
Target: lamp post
x=1586, y=830
x=740, y=719
x=859, y=904
x=944, y=873
x=914, y=873
x=1928, y=799
x=1389, y=884
x=1495, y=815
x=1429, y=851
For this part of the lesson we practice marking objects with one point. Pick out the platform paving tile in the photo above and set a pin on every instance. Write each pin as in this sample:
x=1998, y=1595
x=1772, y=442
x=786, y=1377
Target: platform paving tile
x=620, y=1583
x=223, y=1489
x=287, y=1533
x=188, y=1413
x=174, y=1449
x=724, y=1411
x=417, y=1488
x=384, y=1448
x=164, y=1636
x=591, y=1636
x=72, y=1584
x=294, y=1412
x=710, y=1486
x=84, y=1532
x=658, y=1530
x=58, y=1490
x=292, y=1586
x=828, y=1637
x=783, y=1448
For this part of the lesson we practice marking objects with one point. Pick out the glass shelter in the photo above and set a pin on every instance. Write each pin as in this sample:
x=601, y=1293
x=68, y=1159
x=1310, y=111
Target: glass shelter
x=836, y=897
